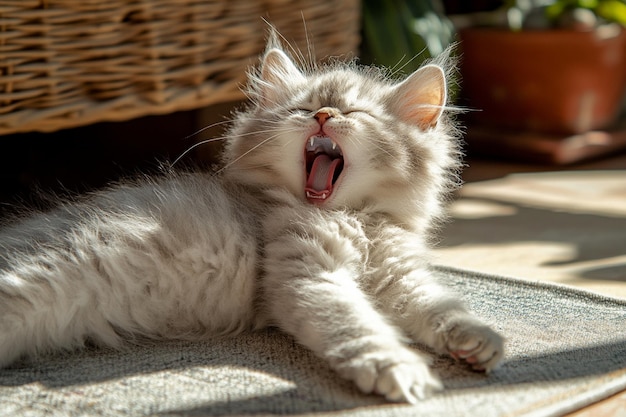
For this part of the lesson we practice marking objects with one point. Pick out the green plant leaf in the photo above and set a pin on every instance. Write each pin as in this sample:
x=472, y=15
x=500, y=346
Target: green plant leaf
x=612, y=10
x=402, y=33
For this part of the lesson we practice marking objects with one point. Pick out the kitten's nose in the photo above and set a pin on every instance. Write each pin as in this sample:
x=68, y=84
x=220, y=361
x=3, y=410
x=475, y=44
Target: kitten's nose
x=321, y=117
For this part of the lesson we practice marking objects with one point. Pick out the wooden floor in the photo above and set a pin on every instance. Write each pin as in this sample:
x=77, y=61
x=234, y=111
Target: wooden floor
x=614, y=406
x=561, y=224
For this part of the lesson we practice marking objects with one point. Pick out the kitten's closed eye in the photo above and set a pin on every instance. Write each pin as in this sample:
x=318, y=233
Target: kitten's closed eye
x=302, y=112
x=356, y=110
x=341, y=112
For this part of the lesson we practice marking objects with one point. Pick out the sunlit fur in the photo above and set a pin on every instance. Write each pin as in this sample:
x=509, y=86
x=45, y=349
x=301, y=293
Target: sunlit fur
x=196, y=255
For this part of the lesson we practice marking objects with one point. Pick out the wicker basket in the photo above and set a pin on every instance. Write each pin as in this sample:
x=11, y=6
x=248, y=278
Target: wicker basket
x=65, y=63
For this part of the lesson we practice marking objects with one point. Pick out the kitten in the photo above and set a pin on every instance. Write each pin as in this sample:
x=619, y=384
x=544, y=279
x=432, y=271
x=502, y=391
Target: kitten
x=318, y=224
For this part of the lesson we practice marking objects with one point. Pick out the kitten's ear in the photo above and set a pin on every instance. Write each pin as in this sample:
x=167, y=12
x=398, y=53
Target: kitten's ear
x=277, y=73
x=420, y=99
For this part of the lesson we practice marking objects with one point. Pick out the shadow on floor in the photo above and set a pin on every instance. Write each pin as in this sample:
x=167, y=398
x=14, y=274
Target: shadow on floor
x=594, y=237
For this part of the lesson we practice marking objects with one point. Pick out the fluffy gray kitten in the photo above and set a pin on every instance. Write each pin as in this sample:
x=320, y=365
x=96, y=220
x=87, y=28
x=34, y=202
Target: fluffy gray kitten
x=318, y=224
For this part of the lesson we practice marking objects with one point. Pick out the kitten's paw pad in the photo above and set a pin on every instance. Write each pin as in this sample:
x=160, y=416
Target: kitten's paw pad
x=475, y=344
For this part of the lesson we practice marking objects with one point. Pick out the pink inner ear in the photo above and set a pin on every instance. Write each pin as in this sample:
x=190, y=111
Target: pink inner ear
x=423, y=95
x=424, y=116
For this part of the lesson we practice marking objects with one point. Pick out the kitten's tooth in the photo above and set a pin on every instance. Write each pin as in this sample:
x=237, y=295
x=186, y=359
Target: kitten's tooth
x=334, y=145
x=312, y=140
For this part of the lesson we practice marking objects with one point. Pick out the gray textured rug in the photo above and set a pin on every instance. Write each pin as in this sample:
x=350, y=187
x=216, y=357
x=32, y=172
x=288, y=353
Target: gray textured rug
x=566, y=349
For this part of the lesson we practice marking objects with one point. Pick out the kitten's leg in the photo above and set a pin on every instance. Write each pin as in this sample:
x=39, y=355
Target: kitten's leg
x=40, y=315
x=406, y=290
x=312, y=293
x=53, y=291
x=436, y=318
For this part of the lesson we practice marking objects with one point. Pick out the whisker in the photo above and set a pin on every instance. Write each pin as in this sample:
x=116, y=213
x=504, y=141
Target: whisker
x=396, y=71
x=194, y=146
x=392, y=70
x=255, y=147
x=264, y=121
x=309, y=46
x=294, y=51
x=258, y=132
x=205, y=141
x=223, y=122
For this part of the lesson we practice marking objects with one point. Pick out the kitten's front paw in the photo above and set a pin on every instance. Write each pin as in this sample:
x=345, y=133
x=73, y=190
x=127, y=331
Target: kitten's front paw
x=407, y=382
x=476, y=344
x=399, y=376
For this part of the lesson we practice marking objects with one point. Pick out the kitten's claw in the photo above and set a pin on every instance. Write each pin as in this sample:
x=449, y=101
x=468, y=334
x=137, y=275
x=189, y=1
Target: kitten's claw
x=475, y=344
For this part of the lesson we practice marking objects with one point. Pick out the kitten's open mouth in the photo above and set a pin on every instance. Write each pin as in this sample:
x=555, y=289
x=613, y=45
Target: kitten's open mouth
x=324, y=163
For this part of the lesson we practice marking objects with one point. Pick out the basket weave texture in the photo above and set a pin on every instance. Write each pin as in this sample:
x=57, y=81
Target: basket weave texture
x=65, y=63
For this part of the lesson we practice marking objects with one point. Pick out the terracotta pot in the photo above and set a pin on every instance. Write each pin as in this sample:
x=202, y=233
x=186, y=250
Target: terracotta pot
x=553, y=81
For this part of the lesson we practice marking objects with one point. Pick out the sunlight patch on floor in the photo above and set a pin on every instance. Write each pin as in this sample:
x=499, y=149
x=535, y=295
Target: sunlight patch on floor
x=517, y=259
x=598, y=192
x=567, y=227
x=473, y=209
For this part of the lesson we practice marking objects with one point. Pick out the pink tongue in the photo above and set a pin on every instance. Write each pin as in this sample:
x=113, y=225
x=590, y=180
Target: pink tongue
x=320, y=181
